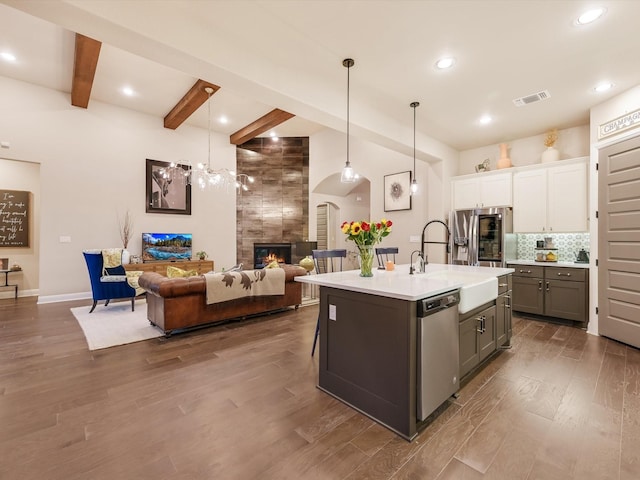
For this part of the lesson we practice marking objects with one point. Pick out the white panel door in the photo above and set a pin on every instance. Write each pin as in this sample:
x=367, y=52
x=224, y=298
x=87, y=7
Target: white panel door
x=567, y=209
x=495, y=190
x=466, y=193
x=530, y=201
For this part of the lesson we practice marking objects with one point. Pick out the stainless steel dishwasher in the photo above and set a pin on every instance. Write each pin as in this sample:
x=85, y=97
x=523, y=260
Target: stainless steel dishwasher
x=438, y=351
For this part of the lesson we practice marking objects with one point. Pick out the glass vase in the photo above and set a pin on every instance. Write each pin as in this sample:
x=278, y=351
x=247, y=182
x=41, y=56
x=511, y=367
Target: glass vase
x=366, y=260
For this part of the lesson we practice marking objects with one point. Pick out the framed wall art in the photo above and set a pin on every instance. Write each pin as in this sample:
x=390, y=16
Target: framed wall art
x=397, y=193
x=167, y=194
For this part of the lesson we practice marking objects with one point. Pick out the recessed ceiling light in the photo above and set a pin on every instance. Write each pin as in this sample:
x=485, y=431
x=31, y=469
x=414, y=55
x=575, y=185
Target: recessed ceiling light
x=223, y=119
x=590, y=16
x=9, y=57
x=485, y=119
x=128, y=91
x=603, y=87
x=445, y=62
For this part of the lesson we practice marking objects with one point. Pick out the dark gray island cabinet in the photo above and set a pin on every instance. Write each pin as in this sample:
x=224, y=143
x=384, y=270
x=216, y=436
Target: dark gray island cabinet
x=368, y=356
x=370, y=342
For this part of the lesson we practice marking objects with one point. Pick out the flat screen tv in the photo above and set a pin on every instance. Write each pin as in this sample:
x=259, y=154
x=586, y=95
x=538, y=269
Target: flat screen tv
x=166, y=247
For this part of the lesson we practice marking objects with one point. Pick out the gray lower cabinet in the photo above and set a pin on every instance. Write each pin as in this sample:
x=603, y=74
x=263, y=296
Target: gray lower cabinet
x=560, y=292
x=503, y=311
x=477, y=330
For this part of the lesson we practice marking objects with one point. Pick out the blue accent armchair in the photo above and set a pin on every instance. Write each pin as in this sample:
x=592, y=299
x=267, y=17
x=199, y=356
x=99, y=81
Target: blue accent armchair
x=107, y=287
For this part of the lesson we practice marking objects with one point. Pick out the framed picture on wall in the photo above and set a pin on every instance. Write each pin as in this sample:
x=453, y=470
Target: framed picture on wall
x=397, y=193
x=167, y=193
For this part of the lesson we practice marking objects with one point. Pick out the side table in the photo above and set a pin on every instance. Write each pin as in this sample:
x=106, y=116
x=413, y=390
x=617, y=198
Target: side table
x=6, y=280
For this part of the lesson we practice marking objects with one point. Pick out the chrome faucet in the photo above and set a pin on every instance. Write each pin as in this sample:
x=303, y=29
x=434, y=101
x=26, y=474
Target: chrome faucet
x=422, y=262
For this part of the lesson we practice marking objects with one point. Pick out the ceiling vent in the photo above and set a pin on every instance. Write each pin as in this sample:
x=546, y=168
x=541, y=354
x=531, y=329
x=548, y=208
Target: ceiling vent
x=534, y=97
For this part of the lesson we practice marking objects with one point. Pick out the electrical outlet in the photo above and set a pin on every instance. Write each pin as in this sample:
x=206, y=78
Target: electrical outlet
x=414, y=238
x=65, y=239
x=332, y=312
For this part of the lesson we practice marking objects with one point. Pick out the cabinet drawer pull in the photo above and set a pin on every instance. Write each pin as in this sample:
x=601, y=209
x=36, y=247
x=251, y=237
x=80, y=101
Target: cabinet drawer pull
x=524, y=271
x=503, y=285
x=564, y=274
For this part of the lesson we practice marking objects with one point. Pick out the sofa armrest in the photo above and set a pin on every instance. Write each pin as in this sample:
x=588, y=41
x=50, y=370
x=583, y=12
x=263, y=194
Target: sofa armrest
x=292, y=271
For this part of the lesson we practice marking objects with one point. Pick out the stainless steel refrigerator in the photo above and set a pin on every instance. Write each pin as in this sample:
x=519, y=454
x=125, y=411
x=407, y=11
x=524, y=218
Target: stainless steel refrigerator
x=482, y=236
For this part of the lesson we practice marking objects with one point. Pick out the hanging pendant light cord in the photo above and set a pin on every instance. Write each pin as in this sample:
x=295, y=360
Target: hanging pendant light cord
x=414, y=139
x=348, y=83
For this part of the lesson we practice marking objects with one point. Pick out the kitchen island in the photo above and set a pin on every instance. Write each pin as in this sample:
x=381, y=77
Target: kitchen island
x=369, y=335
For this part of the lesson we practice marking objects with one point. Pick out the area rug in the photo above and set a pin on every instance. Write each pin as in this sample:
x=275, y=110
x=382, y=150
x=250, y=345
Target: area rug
x=115, y=324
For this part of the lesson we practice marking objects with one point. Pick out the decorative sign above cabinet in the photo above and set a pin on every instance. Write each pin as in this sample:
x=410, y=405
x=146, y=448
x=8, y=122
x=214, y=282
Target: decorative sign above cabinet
x=620, y=124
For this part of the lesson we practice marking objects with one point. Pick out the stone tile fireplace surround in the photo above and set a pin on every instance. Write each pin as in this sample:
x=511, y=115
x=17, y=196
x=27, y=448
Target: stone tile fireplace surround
x=275, y=209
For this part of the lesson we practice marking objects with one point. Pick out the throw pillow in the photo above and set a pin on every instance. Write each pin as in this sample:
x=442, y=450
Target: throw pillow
x=175, y=272
x=273, y=264
x=111, y=257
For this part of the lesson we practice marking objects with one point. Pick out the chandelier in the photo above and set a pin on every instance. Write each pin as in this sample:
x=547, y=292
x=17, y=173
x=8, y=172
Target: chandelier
x=202, y=175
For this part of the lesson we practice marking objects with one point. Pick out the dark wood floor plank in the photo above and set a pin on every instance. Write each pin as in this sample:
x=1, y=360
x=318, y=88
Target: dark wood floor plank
x=610, y=388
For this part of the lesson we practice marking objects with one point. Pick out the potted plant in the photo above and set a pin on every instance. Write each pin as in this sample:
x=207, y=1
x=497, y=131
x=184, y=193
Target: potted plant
x=202, y=255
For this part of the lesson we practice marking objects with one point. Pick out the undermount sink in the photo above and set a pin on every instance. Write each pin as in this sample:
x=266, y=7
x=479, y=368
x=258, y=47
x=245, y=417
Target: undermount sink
x=476, y=290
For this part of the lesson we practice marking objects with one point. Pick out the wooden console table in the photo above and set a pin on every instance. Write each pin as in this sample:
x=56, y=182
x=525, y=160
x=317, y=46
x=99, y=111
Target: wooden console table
x=201, y=266
x=6, y=280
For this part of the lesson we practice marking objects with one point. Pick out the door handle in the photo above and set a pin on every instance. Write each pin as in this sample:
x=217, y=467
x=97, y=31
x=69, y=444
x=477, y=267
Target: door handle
x=481, y=319
x=547, y=286
x=507, y=301
x=540, y=285
x=564, y=274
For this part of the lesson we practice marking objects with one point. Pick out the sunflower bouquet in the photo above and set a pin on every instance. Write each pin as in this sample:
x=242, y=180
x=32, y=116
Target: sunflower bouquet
x=365, y=235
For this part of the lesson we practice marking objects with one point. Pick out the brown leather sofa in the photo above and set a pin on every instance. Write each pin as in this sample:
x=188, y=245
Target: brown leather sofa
x=180, y=303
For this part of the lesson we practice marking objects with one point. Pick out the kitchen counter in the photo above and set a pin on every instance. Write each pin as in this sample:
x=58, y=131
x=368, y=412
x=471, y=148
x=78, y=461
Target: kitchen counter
x=548, y=264
x=400, y=285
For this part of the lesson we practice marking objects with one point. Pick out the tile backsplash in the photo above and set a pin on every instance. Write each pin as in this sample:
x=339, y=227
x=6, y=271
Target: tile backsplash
x=568, y=244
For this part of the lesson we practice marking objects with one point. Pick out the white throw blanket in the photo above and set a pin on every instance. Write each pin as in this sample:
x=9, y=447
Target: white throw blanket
x=225, y=286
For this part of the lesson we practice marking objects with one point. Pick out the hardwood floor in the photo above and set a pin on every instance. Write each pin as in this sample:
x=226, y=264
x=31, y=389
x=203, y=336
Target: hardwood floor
x=239, y=402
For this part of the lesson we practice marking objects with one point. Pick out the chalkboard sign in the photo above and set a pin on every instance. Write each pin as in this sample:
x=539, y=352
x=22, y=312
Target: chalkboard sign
x=14, y=218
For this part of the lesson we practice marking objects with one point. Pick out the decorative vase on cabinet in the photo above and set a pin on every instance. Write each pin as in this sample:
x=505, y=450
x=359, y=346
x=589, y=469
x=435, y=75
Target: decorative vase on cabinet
x=550, y=155
x=504, y=161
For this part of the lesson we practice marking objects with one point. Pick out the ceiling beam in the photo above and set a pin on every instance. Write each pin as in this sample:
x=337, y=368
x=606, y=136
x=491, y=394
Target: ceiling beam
x=84, y=69
x=188, y=104
x=273, y=118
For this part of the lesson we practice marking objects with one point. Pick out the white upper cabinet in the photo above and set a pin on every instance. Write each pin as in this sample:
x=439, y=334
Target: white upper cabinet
x=482, y=190
x=551, y=199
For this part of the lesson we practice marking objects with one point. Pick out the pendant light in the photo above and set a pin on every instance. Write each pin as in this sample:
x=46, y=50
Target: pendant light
x=414, y=182
x=348, y=175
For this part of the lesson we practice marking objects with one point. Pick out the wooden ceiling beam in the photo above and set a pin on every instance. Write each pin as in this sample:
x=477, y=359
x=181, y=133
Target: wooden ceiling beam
x=188, y=104
x=84, y=69
x=273, y=118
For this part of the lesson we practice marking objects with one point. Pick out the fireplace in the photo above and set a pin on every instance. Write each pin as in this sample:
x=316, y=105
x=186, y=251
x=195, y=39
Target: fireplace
x=265, y=253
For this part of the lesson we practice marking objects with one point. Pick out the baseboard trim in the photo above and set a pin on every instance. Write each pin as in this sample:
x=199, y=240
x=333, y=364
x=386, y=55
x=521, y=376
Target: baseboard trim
x=66, y=297
x=9, y=294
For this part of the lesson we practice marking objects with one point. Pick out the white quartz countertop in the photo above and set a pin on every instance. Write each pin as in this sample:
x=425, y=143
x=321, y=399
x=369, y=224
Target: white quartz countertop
x=548, y=264
x=437, y=279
